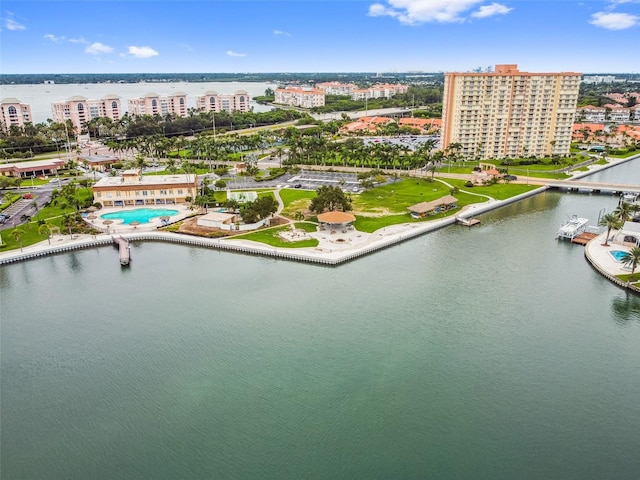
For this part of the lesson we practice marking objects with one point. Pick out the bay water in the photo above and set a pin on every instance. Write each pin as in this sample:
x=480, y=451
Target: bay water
x=492, y=352
x=41, y=96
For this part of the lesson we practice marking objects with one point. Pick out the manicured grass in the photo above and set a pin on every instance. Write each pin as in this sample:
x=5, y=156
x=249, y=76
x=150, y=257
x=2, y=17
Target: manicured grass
x=295, y=200
x=627, y=277
x=371, y=224
x=625, y=155
x=307, y=226
x=270, y=237
x=394, y=198
x=499, y=191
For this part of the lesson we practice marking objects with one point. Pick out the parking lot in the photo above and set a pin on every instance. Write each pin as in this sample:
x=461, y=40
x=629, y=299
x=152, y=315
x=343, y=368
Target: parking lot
x=313, y=180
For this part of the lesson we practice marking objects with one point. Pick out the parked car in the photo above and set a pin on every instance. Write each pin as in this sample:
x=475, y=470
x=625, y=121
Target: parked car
x=509, y=177
x=3, y=218
x=297, y=185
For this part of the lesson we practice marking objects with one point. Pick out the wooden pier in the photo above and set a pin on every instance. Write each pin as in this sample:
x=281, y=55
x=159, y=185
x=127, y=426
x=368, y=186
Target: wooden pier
x=584, y=238
x=468, y=222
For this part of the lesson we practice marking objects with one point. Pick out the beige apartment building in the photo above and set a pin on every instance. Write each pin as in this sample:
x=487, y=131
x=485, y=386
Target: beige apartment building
x=300, y=97
x=380, y=90
x=509, y=113
x=80, y=110
x=131, y=188
x=213, y=101
x=154, y=104
x=337, y=88
x=14, y=113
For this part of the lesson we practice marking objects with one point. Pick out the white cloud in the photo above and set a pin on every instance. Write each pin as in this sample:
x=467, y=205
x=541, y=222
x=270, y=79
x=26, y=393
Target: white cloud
x=614, y=21
x=11, y=24
x=413, y=12
x=490, y=10
x=282, y=33
x=53, y=38
x=231, y=53
x=78, y=40
x=97, y=48
x=142, y=52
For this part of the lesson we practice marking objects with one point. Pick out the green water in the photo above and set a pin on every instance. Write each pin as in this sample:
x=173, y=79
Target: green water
x=492, y=352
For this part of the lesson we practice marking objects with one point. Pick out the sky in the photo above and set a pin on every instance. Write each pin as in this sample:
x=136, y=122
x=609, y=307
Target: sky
x=256, y=36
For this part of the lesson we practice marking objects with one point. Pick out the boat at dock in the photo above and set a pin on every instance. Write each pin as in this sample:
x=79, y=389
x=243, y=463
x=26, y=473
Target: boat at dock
x=574, y=227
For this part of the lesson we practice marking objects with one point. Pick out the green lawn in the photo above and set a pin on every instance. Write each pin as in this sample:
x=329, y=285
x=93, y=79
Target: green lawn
x=394, y=198
x=295, y=200
x=270, y=237
x=499, y=191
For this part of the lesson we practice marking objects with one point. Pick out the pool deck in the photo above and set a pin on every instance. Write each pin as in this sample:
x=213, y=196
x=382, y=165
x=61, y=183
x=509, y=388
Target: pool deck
x=116, y=226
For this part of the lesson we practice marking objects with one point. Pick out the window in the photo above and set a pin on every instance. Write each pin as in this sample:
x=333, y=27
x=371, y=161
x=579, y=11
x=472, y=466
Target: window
x=12, y=110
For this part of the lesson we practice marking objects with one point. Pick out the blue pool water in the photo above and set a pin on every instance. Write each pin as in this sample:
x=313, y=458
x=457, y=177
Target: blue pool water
x=618, y=255
x=142, y=215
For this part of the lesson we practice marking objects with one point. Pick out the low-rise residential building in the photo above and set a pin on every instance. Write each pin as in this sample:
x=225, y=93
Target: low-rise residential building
x=213, y=101
x=634, y=113
x=426, y=125
x=154, y=104
x=99, y=163
x=618, y=114
x=366, y=124
x=131, y=188
x=384, y=90
x=337, y=88
x=583, y=132
x=35, y=168
x=591, y=114
x=300, y=97
x=14, y=113
x=80, y=110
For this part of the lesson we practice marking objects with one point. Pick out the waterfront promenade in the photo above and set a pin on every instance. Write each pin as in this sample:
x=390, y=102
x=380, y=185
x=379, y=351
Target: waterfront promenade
x=331, y=249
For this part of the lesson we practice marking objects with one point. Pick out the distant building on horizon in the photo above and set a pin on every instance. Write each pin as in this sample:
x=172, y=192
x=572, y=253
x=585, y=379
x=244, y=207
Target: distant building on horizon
x=81, y=110
x=14, y=113
x=300, y=97
x=213, y=101
x=508, y=113
x=154, y=104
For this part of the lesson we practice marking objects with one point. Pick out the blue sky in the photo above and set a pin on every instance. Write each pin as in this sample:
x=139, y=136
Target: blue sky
x=318, y=36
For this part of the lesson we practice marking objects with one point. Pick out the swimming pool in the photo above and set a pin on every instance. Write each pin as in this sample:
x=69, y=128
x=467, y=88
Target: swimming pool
x=142, y=215
x=618, y=255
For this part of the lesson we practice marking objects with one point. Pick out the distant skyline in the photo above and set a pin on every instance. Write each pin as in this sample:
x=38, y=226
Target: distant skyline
x=259, y=36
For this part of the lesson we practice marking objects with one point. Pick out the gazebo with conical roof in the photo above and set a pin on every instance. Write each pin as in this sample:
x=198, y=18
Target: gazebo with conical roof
x=336, y=220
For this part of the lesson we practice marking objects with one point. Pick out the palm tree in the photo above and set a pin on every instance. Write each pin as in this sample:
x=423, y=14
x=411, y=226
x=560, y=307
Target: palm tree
x=631, y=259
x=610, y=221
x=17, y=234
x=45, y=229
x=623, y=211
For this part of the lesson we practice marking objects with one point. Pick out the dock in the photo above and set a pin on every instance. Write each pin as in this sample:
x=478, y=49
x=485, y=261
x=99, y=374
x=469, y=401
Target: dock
x=468, y=222
x=584, y=238
x=123, y=250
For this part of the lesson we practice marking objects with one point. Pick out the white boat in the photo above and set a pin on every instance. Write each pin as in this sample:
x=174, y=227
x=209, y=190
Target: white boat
x=629, y=197
x=574, y=227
